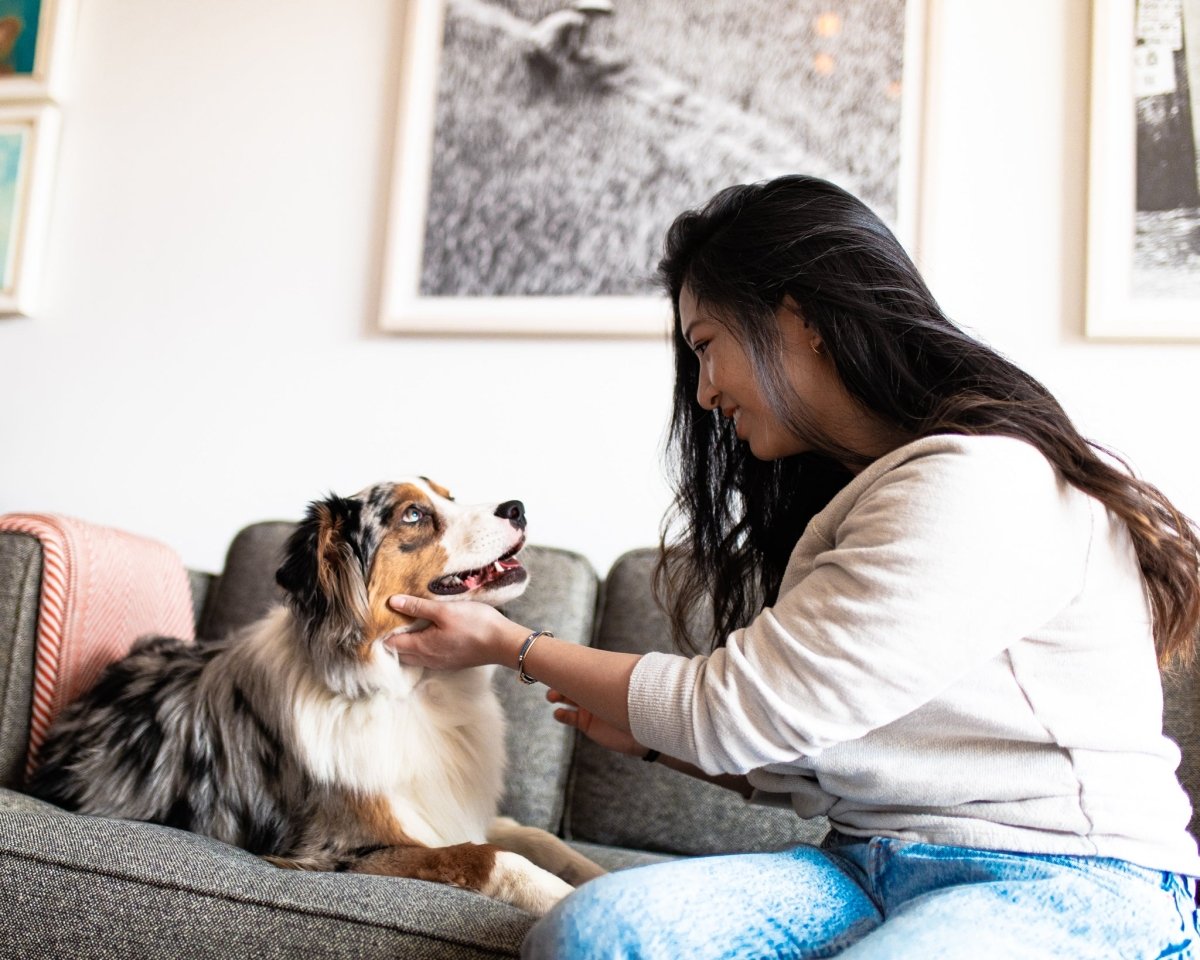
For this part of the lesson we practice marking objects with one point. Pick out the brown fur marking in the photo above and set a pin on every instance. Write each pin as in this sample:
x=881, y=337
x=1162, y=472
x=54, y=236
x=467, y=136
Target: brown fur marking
x=375, y=817
x=438, y=489
x=396, y=570
x=328, y=552
x=468, y=865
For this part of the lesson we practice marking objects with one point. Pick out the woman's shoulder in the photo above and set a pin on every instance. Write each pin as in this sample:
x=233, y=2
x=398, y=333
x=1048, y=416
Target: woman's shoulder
x=945, y=472
x=982, y=449
x=987, y=460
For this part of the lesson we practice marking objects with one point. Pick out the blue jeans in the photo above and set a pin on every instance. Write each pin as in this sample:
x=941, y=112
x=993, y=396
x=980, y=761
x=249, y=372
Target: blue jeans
x=875, y=900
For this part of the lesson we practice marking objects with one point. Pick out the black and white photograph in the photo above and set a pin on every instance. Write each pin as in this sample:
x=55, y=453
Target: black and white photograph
x=1167, y=92
x=1144, y=259
x=543, y=147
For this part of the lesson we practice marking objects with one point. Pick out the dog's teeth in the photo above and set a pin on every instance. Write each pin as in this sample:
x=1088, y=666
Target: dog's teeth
x=498, y=567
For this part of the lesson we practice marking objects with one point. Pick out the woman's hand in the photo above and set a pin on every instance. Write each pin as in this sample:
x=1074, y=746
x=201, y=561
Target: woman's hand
x=461, y=634
x=592, y=727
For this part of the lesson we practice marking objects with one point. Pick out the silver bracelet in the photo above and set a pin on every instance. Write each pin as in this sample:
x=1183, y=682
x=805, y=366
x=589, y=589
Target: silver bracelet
x=521, y=674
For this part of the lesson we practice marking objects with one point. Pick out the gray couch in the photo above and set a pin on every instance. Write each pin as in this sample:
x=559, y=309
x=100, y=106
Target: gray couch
x=74, y=886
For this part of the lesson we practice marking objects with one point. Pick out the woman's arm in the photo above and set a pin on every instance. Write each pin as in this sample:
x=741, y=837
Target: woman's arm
x=593, y=683
x=609, y=737
x=470, y=634
x=737, y=782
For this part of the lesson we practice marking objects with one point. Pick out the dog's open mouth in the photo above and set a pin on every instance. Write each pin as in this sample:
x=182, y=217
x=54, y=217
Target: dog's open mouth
x=500, y=572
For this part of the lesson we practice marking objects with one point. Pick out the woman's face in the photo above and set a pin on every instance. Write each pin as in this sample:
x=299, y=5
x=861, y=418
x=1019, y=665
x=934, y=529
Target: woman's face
x=729, y=384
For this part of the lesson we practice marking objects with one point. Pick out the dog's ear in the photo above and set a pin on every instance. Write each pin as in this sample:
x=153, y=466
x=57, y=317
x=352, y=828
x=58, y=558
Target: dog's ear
x=322, y=570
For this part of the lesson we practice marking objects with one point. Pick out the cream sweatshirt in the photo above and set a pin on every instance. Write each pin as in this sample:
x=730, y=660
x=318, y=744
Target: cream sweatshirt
x=961, y=653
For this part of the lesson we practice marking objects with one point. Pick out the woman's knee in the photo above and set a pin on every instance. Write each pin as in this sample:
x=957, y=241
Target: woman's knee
x=800, y=901
x=608, y=910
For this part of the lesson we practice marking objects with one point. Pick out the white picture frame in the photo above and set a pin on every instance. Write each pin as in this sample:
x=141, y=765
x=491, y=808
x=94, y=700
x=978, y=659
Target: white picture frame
x=34, y=36
x=1128, y=296
x=405, y=309
x=28, y=146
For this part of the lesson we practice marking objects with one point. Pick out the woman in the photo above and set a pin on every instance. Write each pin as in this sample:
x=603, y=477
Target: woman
x=937, y=614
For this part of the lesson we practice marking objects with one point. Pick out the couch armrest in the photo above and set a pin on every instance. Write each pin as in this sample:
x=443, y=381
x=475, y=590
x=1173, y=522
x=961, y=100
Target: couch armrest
x=20, y=587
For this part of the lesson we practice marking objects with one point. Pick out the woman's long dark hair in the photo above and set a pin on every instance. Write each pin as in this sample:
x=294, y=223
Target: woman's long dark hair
x=736, y=519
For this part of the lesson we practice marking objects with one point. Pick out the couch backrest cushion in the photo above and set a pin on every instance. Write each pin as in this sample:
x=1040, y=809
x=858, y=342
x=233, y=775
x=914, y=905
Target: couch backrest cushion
x=1181, y=721
x=621, y=801
x=246, y=588
x=561, y=597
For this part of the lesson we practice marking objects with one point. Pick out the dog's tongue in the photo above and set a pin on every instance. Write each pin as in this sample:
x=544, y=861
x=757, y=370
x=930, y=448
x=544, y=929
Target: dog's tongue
x=477, y=578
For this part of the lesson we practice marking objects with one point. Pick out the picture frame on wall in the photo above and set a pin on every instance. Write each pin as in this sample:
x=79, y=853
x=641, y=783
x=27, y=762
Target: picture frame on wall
x=543, y=147
x=28, y=140
x=33, y=37
x=1143, y=259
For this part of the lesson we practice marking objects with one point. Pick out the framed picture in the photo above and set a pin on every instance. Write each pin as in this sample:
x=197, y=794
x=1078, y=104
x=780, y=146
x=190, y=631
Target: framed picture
x=28, y=137
x=33, y=34
x=544, y=146
x=1143, y=190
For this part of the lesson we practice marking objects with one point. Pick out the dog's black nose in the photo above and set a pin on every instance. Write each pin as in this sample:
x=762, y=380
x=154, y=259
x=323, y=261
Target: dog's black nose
x=514, y=512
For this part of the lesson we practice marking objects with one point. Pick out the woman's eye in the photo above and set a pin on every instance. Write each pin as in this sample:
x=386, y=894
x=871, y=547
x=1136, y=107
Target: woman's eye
x=412, y=515
x=700, y=348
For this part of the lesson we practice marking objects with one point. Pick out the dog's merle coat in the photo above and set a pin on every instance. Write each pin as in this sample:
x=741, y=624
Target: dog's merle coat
x=301, y=738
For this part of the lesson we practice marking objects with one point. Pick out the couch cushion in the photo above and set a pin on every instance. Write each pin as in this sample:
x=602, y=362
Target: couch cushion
x=562, y=594
x=619, y=858
x=620, y=801
x=561, y=597
x=246, y=588
x=94, y=887
x=200, y=582
x=1181, y=721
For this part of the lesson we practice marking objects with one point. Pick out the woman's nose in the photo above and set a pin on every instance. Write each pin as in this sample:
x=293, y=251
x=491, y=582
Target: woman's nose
x=706, y=394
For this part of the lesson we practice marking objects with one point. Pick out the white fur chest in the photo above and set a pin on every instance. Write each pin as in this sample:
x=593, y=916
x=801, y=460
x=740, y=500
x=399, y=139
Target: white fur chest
x=433, y=743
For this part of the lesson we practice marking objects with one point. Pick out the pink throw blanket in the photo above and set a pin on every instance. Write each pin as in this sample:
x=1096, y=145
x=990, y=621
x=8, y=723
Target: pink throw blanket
x=101, y=590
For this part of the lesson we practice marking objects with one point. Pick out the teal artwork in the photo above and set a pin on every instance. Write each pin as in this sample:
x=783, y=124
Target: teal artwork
x=12, y=147
x=18, y=35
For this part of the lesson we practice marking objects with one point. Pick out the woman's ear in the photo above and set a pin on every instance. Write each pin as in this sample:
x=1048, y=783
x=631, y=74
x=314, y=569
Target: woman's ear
x=792, y=307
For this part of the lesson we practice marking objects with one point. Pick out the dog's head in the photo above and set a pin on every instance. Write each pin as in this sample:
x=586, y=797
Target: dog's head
x=350, y=554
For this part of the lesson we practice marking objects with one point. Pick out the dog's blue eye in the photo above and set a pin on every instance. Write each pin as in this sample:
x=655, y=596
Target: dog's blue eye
x=412, y=515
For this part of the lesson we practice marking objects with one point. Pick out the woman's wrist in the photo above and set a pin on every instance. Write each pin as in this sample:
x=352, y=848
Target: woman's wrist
x=507, y=647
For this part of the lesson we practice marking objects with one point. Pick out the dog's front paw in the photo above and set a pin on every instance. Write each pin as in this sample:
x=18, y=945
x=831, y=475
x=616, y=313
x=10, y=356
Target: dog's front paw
x=525, y=885
x=544, y=849
x=580, y=870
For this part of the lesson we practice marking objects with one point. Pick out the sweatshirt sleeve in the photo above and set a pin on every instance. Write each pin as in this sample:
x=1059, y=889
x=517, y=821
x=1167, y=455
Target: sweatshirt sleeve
x=941, y=563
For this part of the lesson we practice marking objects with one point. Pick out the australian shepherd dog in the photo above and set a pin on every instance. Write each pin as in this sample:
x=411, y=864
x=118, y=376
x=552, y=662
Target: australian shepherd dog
x=303, y=739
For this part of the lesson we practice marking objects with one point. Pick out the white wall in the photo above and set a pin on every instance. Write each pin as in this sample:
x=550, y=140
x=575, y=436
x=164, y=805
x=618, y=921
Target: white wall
x=204, y=357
